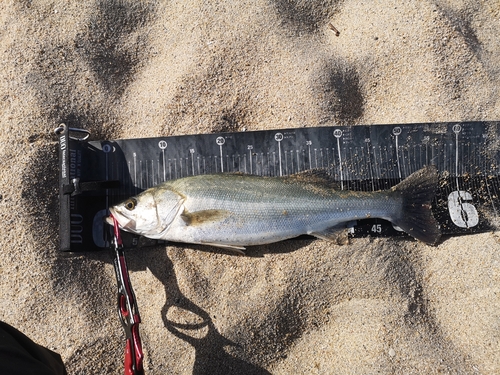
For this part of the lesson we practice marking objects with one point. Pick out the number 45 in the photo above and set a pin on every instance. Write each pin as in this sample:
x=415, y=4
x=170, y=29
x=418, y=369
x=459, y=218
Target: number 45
x=376, y=228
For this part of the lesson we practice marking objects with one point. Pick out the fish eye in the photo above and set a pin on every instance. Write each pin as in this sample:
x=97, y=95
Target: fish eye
x=130, y=204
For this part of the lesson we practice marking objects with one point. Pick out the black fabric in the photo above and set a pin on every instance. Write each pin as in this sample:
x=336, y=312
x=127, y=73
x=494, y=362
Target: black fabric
x=19, y=355
x=90, y=186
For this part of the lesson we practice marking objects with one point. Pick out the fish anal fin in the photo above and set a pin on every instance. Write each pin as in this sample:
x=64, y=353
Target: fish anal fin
x=337, y=234
x=237, y=249
x=204, y=216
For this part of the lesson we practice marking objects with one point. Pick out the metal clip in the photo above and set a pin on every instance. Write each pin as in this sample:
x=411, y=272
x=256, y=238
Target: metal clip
x=76, y=184
x=62, y=128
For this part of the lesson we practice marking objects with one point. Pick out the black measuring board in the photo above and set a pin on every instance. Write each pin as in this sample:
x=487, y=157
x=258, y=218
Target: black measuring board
x=363, y=157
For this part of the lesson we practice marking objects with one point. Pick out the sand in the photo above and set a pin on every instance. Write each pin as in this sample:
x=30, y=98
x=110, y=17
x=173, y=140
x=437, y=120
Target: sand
x=140, y=69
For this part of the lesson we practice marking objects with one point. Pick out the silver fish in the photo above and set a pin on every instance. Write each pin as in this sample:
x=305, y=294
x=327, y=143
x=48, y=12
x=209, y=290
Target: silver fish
x=236, y=210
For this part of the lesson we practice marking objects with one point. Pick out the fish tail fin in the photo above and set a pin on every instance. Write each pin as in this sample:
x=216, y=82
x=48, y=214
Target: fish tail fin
x=417, y=191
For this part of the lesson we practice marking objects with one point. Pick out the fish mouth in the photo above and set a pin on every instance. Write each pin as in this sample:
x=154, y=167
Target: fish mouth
x=123, y=222
x=109, y=220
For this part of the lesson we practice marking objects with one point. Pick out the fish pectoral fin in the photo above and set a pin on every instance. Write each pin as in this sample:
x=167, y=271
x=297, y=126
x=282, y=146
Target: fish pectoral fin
x=337, y=234
x=204, y=216
x=236, y=249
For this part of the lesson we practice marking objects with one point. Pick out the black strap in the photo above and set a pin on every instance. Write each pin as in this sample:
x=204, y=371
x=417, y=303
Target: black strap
x=78, y=187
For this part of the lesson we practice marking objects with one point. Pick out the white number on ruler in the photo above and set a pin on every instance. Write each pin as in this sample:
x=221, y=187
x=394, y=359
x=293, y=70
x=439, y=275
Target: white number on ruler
x=377, y=228
x=463, y=214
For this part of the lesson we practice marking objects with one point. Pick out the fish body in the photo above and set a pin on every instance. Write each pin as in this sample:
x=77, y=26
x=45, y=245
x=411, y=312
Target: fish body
x=236, y=210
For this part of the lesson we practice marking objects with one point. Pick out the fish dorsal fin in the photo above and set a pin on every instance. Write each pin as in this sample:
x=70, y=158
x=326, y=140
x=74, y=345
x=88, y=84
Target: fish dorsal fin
x=203, y=216
x=315, y=176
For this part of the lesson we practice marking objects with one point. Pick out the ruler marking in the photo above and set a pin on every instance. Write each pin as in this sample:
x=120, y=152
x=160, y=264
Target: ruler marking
x=250, y=158
x=416, y=167
x=278, y=138
x=470, y=158
x=135, y=173
x=362, y=164
x=369, y=156
x=388, y=169
x=274, y=164
x=327, y=161
x=421, y=162
x=340, y=166
x=375, y=166
x=157, y=177
x=456, y=130
x=308, y=143
x=394, y=164
x=164, y=165
x=403, y=151
x=337, y=133
x=349, y=171
x=397, y=131
x=151, y=179
x=426, y=154
x=286, y=163
x=163, y=146
x=192, y=151
x=130, y=183
x=141, y=178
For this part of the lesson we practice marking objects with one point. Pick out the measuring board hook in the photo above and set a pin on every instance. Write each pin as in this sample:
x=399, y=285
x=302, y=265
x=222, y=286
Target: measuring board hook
x=79, y=134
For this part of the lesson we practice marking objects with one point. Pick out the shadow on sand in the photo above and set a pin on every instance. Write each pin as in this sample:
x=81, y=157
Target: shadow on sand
x=211, y=355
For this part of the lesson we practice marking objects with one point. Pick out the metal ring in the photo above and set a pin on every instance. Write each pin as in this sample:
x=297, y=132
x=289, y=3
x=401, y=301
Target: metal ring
x=61, y=128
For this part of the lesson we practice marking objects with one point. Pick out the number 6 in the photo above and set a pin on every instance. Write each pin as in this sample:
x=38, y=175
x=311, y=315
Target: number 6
x=463, y=214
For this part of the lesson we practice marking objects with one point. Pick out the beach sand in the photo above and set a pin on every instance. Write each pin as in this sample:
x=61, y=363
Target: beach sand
x=125, y=69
